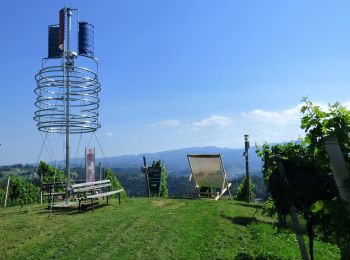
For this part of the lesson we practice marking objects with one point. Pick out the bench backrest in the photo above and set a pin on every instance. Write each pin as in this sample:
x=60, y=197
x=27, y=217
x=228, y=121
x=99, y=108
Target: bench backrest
x=81, y=187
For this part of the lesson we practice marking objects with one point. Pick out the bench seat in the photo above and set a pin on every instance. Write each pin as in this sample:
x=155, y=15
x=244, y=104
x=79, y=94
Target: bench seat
x=93, y=191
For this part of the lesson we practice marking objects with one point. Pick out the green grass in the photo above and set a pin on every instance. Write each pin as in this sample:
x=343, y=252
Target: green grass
x=149, y=229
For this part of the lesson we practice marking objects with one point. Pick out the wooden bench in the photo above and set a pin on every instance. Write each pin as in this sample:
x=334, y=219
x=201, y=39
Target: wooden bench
x=93, y=191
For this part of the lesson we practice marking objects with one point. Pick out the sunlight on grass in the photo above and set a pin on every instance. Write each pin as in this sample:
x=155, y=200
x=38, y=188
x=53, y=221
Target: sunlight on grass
x=149, y=229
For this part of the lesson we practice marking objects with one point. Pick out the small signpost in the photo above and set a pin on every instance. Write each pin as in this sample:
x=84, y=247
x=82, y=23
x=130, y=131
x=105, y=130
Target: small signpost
x=153, y=177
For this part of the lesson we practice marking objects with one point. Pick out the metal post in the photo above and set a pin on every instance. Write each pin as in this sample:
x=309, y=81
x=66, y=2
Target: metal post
x=246, y=145
x=86, y=169
x=68, y=64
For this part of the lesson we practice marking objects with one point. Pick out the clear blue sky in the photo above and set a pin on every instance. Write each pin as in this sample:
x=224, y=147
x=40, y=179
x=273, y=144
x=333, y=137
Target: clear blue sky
x=181, y=73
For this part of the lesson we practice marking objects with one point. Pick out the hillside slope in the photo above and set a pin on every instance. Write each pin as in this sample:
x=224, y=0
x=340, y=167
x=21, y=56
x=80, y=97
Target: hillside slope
x=176, y=160
x=149, y=229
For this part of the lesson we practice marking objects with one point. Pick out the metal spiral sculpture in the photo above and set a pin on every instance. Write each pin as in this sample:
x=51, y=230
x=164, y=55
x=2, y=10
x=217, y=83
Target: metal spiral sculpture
x=67, y=94
x=51, y=91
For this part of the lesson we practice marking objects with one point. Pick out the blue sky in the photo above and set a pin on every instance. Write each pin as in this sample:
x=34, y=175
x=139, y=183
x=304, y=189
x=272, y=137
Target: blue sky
x=181, y=73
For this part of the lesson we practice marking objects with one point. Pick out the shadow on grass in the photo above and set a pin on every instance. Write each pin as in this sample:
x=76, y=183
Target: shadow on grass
x=72, y=210
x=255, y=206
x=183, y=198
x=245, y=256
x=244, y=221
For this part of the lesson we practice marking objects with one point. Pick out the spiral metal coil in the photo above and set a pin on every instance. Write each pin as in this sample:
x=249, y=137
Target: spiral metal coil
x=51, y=101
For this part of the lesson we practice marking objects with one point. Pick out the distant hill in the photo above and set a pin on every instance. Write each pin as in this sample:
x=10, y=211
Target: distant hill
x=176, y=160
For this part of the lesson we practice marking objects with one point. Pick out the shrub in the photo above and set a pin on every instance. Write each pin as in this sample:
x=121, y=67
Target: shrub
x=115, y=182
x=2, y=196
x=163, y=184
x=21, y=192
x=241, y=193
x=50, y=174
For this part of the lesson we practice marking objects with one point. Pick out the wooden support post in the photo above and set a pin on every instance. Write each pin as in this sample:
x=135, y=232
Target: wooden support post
x=7, y=190
x=119, y=198
x=146, y=175
x=339, y=169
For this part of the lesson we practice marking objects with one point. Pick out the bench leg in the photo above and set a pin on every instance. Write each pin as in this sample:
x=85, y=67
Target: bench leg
x=93, y=205
x=119, y=198
x=107, y=200
x=79, y=204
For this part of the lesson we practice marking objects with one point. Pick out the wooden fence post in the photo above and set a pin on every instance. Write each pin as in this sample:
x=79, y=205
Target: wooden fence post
x=7, y=190
x=339, y=169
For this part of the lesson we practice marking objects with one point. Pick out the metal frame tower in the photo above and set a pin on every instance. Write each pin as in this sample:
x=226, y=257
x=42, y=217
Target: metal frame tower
x=67, y=94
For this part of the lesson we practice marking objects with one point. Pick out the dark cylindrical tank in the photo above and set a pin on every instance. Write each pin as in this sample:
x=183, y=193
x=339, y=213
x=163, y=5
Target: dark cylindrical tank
x=86, y=39
x=61, y=30
x=53, y=49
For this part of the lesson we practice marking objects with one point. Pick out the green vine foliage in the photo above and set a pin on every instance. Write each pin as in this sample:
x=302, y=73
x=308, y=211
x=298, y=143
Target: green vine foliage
x=241, y=193
x=2, y=196
x=22, y=193
x=163, y=184
x=312, y=187
x=50, y=174
x=319, y=125
x=269, y=208
x=115, y=182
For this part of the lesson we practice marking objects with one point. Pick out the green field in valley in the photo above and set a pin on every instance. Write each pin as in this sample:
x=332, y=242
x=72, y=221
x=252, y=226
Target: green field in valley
x=143, y=228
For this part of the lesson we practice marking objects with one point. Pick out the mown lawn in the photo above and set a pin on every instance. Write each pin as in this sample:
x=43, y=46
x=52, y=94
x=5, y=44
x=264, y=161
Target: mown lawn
x=143, y=228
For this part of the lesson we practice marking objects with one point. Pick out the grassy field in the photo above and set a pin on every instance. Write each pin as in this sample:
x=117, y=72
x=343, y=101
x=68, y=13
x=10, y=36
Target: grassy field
x=142, y=228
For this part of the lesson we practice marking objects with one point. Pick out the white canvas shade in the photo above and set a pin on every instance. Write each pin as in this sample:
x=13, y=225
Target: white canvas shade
x=207, y=170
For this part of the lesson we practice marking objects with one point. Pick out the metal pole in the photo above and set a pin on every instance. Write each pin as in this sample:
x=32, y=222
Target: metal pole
x=68, y=63
x=100, y=170
x=86, y=169
x=246, y=144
